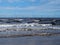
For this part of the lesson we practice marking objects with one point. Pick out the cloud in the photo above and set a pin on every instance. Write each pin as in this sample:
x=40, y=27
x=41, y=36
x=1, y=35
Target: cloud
x=18, y=8
x=12, y=1
x=31, y=8
x=32, y=0
x=51, y=6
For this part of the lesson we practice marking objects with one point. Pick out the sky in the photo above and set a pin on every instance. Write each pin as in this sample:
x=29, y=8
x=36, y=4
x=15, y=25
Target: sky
x=30, y=8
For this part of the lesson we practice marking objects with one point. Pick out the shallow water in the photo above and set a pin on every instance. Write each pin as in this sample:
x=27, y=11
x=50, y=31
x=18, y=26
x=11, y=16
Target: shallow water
x=33, y=40
x=29, y=32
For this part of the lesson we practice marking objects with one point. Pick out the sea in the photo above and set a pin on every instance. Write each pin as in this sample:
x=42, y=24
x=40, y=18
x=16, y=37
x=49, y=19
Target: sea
x=31, y=40
x=34, y=40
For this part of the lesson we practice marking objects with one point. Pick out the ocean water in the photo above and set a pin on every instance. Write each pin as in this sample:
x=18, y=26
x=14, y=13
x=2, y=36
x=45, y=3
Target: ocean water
x=28, y=32
x=31, y=40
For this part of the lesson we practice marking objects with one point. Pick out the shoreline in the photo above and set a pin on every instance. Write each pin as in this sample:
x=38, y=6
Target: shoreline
x=24, y=35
